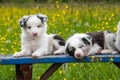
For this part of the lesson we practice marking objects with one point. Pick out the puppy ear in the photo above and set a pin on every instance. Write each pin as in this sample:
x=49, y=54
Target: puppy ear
x=44, y=18
x=23, y=21
x=70, y=50
x=86, y=41
x=67, y=48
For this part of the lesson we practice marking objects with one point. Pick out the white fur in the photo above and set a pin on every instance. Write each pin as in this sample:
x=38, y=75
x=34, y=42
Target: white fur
x=34, y=39
x=82, y=49
x=117, y=43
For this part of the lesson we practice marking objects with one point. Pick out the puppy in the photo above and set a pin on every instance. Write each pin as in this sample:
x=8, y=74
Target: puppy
x=80, y=45
x=117, y=43
x=34, y=38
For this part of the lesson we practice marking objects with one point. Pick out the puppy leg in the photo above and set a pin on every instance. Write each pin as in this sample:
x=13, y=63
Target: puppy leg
x=26, y=50
x=108, y=51
x=40, y=52
x=43, y=50
x=61, y=50
x=95, y=49
x=22, y=53
x=59, y=44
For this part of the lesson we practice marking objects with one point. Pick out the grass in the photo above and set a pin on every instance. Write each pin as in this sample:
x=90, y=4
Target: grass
x=65, y=20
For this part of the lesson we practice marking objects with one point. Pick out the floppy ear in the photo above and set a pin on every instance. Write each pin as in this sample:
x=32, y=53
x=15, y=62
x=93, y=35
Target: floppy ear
x=69, y=50
x=44, y=18
x=23, y=21
x=86, y=41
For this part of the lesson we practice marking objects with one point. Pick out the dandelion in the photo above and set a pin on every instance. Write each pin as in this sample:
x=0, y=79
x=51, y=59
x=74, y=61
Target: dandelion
x=67, y=29
x=60, y=72
x=57, y=15
x=66, y=6
x=111, y=59
x=115, y=29
x=64, y=79
x=74, y=64
x=57, y=6
x=106, y=23
x=57, y=2
x=103, y=28
x=112, y=14
x=63, y=11
x=74, y=78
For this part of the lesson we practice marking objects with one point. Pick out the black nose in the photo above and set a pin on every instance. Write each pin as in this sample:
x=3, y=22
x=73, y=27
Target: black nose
x=78, y=55
x=34, y=34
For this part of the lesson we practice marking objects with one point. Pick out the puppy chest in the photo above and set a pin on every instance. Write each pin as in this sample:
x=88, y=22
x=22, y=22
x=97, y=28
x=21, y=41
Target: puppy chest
x=35, y=45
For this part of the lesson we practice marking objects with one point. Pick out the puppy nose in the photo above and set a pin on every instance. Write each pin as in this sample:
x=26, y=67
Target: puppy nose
x=78, y=55
x=34, y=34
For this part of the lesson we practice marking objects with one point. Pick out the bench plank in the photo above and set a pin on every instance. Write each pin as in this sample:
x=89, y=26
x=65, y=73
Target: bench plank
x=9, y=59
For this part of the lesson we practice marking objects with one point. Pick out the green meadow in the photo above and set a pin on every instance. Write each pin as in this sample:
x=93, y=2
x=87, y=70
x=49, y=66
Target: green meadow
x=64, y=19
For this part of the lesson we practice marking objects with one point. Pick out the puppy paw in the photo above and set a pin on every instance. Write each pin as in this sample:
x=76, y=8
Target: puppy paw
x=58, y=52
x=114, y=52
x=38, y=53
x=18, y=54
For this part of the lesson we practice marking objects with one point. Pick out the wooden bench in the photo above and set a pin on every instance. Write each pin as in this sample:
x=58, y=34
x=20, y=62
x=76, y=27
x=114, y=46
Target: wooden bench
x=24, y=64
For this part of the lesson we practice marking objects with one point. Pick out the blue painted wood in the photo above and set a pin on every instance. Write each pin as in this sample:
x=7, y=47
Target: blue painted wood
x=9, y=59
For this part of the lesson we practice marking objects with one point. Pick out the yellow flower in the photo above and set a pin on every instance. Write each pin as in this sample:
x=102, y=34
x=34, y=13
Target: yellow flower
x=66, y=6
x=112, y=14
x=57, y=6
x=63, y=11
x=74, y=64
x=115, y=29
x=64, y=79
x=107, y=27
x=60, y=72
x=74, y=78
x=57, y=2
x=106, y=23
x=111, y=59
x=103, y=28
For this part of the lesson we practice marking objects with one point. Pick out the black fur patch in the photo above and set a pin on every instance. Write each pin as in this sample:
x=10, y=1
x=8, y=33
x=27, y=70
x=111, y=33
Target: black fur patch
x=58, y=37
x=85, y=41
x=41, y=18
x=23, y=22
x=97, y=37
x=70, y=50
x=61, y=41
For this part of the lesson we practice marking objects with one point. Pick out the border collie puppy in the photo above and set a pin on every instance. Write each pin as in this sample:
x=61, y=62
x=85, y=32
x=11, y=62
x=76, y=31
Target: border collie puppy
x=34, y=38
x=84, y=44
x=117, y=43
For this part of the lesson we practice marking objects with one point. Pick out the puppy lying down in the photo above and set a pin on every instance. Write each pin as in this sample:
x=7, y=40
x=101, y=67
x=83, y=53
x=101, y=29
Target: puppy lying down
x=84, y=44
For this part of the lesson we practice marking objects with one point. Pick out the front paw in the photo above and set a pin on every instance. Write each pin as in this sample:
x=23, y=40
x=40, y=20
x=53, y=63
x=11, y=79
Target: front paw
x=58, y=52
x=18, y=54
x=38, y=53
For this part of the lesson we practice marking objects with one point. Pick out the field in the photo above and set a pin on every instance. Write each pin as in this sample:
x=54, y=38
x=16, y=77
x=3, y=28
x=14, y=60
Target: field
x=63, y=19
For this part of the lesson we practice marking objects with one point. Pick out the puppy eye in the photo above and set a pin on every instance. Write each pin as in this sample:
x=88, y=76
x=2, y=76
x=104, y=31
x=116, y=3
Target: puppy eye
x=71, y=49
x=29, y=27
x=38, y=26
x=81, y=46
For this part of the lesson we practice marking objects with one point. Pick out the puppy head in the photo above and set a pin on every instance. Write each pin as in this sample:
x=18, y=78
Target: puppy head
x=33, y=25
x=78, y=45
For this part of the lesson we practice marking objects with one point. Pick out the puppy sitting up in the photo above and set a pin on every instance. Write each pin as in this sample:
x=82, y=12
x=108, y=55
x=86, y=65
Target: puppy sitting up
x=34, y=38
